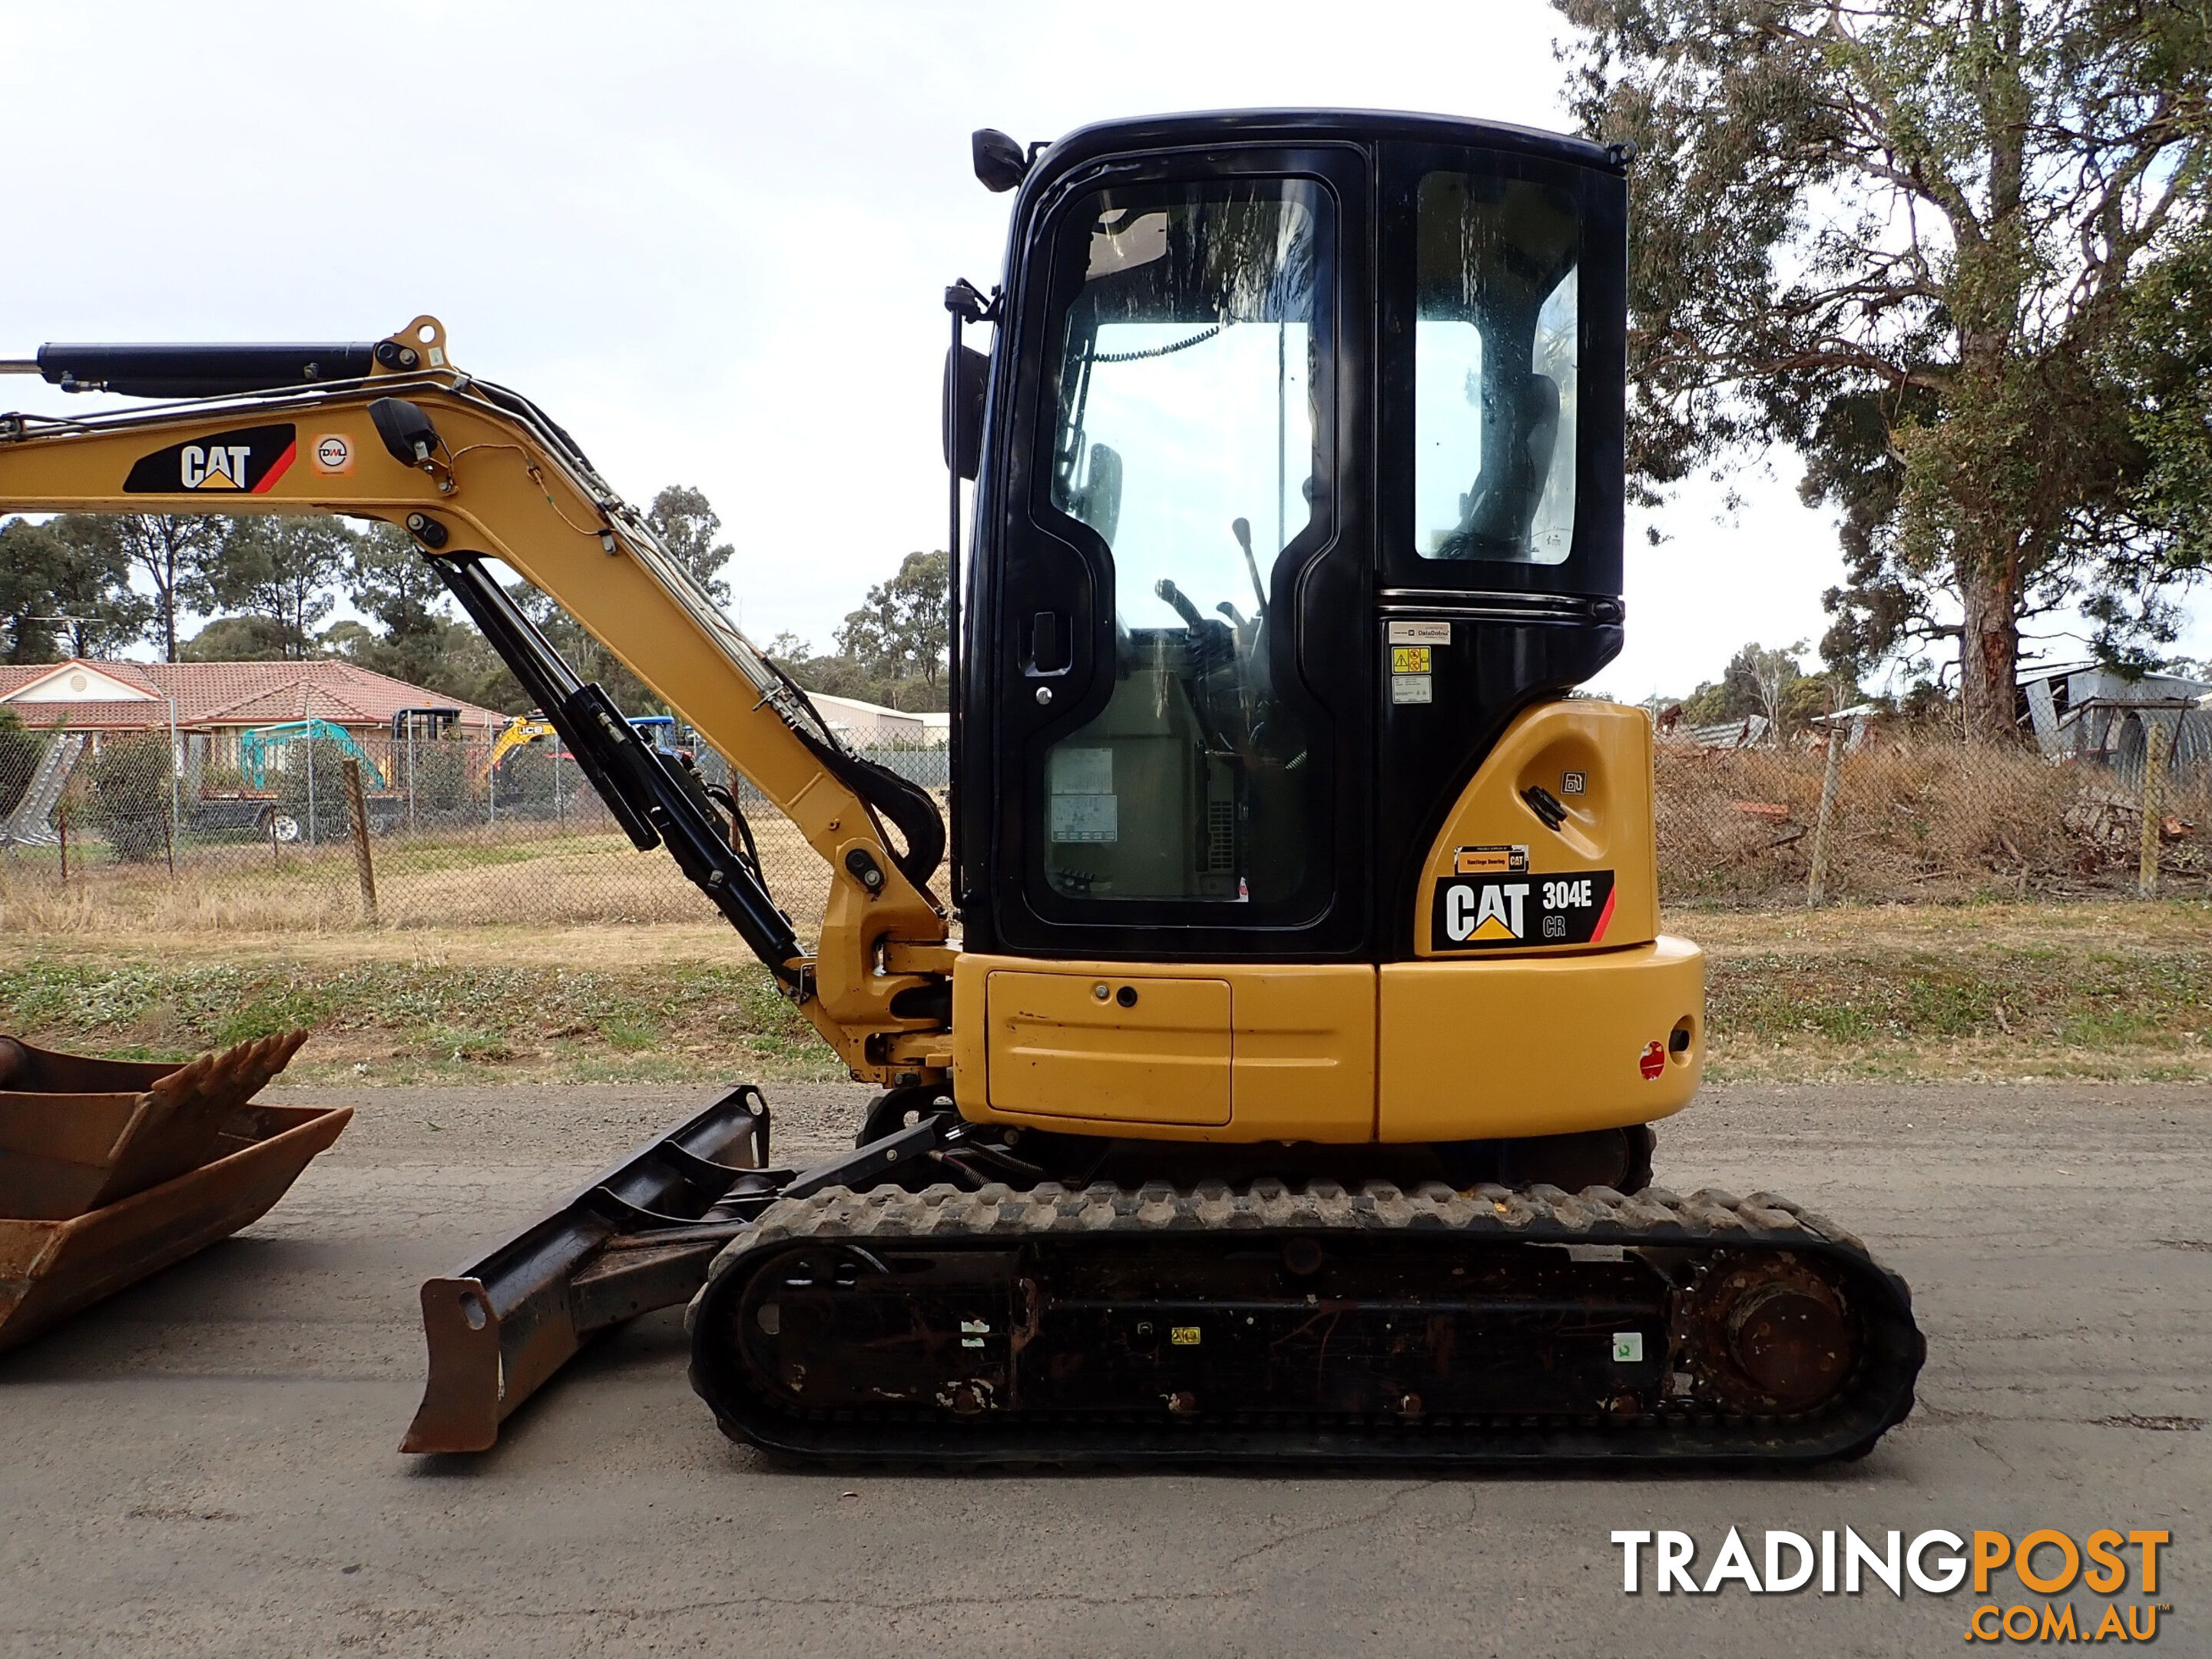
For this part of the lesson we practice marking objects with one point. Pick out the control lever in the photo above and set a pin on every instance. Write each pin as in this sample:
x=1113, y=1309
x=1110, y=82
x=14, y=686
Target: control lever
x=1166, y=589
x=1212, y=643
x=1242, y=529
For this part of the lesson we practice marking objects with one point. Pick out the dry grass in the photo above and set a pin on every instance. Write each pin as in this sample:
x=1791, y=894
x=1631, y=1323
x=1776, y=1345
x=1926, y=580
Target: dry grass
x=523, y=876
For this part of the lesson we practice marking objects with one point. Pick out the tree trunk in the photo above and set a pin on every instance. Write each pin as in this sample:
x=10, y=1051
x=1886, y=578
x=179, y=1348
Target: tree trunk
x=1989, y=649
x=1986, y=290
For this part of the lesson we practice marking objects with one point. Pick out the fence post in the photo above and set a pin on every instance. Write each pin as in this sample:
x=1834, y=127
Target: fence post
x=1832, y=780
x=62, y=818
x=2155, y=736
x=310, y=724
x=359, y=809
x=169, y=839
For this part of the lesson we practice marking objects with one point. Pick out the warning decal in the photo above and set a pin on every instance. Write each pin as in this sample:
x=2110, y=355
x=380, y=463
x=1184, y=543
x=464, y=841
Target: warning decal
x=246, y=462
x=1490, y=860
x=1493, y=912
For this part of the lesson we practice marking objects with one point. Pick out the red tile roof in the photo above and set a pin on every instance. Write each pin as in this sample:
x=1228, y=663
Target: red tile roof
x=235, y=694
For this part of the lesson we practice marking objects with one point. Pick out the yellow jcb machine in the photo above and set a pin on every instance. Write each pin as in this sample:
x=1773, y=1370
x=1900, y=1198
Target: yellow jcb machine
x=1308, y=954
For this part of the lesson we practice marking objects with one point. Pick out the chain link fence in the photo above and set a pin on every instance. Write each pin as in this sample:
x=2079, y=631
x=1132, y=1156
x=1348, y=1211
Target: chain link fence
x=117, y=834
x=1916, y=814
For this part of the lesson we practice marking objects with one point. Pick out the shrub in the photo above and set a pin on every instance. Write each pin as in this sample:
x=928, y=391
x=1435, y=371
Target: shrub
x=330, y=818
x=19, y=760
x=130, y=796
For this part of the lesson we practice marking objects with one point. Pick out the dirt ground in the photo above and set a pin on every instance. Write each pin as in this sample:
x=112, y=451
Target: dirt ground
x=205, y=1465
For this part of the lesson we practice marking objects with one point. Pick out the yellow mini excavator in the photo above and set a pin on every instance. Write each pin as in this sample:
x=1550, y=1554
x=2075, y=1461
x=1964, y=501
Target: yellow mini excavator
x=1286, y=1094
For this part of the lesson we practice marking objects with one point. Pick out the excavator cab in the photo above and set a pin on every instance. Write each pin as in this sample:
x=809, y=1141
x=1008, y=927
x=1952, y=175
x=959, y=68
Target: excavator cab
x=1300, y=487
x=1264, y=387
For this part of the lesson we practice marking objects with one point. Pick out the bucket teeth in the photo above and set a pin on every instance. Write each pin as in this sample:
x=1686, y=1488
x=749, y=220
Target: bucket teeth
x=227, y=1079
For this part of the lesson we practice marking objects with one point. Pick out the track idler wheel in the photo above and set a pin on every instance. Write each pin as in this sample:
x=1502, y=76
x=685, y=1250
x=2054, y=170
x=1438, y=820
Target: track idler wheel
x=1770, y=1334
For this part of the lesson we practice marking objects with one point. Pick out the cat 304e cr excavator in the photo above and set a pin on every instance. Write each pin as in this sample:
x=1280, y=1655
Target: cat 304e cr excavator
x=1286, y=1094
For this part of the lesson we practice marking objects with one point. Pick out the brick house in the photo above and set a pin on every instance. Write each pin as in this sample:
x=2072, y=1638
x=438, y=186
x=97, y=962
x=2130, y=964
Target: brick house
x=206, y=707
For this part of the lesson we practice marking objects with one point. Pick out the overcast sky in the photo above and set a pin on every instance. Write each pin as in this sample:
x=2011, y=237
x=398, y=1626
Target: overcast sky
x=712, y=240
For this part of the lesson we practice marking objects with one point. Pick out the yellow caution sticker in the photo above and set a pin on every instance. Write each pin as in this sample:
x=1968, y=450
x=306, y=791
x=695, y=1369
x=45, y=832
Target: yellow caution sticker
x=1183, y=1336
x=1409, y=659
x=1490, y=860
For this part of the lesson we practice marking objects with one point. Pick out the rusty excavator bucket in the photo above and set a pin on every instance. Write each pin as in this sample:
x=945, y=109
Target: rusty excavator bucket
x=112, y=1169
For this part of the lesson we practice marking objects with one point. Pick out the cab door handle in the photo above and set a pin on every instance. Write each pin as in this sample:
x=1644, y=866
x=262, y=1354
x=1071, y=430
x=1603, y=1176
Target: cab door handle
x=1051, y=643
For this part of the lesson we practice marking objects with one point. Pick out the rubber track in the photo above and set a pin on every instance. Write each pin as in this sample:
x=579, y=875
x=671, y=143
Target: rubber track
x=1878, y=1397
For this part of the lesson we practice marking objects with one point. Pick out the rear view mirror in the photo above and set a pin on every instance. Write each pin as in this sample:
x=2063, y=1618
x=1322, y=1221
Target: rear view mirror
x=1000, y=161
x=965, y=382
x=1098, y=500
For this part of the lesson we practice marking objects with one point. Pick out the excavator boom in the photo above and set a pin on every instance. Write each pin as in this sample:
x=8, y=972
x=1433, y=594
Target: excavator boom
x=472, y=472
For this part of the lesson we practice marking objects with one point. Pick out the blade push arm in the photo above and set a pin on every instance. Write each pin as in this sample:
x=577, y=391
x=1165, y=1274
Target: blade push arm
x=470, y=470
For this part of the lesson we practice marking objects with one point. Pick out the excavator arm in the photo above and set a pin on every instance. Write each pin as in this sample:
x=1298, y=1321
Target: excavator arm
x=389, y=430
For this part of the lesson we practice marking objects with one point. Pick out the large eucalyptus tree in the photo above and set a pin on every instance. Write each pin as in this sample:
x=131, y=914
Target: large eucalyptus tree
x=1915, y=239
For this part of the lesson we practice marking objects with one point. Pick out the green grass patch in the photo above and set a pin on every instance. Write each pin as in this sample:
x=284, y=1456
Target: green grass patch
x=1951, y=1003
x=2034, y=1009
x=424, y=1019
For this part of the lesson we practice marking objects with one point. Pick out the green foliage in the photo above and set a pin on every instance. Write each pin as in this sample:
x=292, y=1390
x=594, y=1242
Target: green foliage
x=1911, y=238
x=892, y=650
x=841, y=676
x=282, y=570
x=239, y=639
x=311, y=789
x=2167, y=355
x=591, y=660
x=130, y=796
x=172, y=552
x=420, y=642
x=899, y=632
x=64, y=592
x=28, y=557
x=688, y=523
x=19, y=760
x=390, y=581
x=437, y=775
x=1771, y=684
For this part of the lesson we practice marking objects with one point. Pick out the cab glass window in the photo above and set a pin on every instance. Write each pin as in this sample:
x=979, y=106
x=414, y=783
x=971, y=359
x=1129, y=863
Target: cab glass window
x=1496, y=346
x=1187, y=434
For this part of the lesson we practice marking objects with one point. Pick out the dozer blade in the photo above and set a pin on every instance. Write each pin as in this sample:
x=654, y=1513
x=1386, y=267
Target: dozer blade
x=629, y=1240
x=111, y=1170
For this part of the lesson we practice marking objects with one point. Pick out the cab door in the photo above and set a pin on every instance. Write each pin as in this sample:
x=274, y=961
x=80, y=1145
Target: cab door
x=1179, y=656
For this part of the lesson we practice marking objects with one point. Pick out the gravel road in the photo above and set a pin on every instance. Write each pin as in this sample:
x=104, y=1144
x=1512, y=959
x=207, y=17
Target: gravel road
x=206, y=1464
